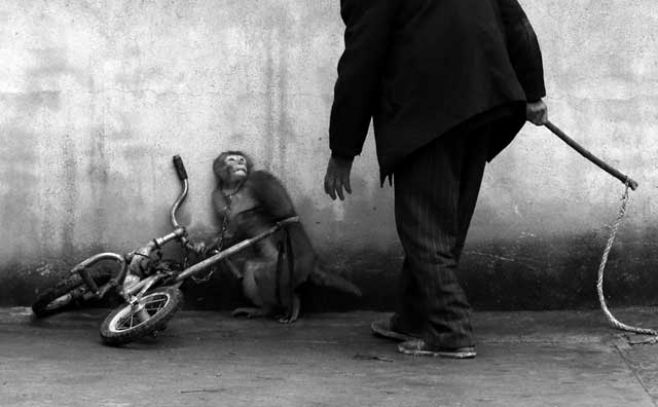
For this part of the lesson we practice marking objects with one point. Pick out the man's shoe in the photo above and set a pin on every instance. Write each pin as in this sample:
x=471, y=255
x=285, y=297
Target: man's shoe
x=383, y=328
x=418, y=347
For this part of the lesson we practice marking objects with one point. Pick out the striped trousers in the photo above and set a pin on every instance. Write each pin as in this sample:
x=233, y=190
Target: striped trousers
x=436, y=190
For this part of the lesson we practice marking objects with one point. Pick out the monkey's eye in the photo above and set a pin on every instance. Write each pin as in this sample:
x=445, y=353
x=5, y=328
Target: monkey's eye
x=236, y=159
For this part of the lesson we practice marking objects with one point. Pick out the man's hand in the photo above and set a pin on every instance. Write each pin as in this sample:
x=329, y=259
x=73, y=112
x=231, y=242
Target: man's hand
x=537, y=112
x=338, y=177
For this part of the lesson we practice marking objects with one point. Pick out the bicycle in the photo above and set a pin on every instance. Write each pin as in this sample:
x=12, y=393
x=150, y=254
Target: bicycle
x=149, y=286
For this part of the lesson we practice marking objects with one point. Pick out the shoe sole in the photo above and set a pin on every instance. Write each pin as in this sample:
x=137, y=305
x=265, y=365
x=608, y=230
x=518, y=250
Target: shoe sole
x=439, y=354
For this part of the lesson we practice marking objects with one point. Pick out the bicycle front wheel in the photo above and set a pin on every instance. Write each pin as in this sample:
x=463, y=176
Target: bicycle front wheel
x=151, y=313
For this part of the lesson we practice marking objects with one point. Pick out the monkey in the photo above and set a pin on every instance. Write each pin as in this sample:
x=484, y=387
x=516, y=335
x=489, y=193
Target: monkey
x=248, y=202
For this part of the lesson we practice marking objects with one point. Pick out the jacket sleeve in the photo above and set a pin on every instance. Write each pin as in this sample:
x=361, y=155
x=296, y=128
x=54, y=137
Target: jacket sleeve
x=523, y=49
x=368, y=26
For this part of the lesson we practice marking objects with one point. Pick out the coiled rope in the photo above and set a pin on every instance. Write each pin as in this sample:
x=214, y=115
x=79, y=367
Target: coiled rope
x=630, y=184
x=614, y=322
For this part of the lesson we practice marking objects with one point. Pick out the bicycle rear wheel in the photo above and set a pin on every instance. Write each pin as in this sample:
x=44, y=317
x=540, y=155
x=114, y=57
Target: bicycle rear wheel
x=151, y=313
x=65, y=294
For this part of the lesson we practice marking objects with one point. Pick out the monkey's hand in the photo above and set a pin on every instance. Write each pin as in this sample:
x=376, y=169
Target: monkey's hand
x=337, y=177
x=199, y=248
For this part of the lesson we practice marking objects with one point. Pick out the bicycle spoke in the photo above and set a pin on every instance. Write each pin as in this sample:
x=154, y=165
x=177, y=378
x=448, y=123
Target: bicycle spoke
x=151, y=305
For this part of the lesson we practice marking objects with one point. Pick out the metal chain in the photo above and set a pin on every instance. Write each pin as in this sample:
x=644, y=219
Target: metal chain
x=222, y=234
x=225, y=221
x=614, y=322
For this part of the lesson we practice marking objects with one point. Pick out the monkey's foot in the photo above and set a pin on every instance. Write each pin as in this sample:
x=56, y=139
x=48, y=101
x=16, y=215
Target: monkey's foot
x=288, y=319
x=248, y=312
x=293, y=313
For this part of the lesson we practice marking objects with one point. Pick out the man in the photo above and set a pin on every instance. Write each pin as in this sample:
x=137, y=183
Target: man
x=448, y=84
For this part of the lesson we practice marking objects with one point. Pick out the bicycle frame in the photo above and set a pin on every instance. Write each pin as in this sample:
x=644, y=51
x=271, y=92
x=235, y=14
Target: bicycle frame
x=82, y=269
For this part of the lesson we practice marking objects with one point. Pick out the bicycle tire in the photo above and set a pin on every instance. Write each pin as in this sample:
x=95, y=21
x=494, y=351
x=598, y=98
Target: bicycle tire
x=161, y=304
x=52, y=301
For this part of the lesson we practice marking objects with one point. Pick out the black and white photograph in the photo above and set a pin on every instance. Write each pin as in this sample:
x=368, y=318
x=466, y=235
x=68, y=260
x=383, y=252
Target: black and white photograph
x=329, y=203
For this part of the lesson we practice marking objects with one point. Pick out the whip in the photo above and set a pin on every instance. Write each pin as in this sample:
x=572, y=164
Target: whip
x=629, y=184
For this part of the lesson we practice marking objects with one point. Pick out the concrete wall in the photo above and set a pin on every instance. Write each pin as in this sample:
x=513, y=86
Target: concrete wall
x=96, y=96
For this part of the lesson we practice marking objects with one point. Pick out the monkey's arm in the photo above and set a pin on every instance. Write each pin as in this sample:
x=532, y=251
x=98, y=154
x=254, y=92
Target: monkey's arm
x=271, y=195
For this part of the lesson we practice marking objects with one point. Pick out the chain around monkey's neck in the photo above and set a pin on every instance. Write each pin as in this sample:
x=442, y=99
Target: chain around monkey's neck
x=229, y=192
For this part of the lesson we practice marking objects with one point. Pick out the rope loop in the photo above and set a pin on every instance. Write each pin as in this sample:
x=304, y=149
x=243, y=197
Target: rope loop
x=614, y=322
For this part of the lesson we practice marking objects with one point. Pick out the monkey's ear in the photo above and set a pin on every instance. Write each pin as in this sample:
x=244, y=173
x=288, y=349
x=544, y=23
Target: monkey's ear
x=271, y=194
x=218, y=165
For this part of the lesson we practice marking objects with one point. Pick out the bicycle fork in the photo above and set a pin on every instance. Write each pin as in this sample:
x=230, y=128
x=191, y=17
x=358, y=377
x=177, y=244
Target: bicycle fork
x=133, y=296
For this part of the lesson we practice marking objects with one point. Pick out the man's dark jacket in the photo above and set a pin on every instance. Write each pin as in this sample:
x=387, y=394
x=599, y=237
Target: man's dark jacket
x=423, y=68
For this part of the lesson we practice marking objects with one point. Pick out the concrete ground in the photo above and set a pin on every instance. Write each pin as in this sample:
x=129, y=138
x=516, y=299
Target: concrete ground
x=567, y=358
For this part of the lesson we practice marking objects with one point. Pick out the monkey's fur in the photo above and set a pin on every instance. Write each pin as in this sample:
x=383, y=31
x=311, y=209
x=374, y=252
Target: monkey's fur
x=253, y=204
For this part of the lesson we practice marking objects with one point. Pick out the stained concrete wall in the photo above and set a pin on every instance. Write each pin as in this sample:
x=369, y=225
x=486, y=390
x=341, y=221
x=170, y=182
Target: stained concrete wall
x=96, y=96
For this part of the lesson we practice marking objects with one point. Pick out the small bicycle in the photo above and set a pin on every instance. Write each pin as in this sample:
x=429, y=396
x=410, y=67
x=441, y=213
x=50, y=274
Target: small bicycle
x=149, y=286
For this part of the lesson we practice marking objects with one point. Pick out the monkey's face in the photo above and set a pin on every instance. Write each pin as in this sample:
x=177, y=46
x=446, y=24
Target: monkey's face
x=235, y=168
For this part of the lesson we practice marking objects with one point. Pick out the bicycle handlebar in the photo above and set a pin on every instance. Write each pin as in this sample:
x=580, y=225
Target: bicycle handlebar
x=182, y=176
x=286, y=222
x=180, y=168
